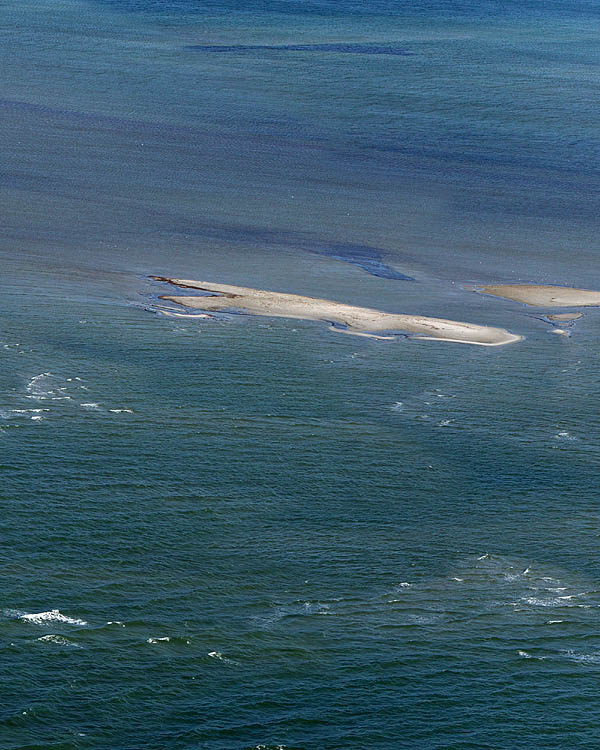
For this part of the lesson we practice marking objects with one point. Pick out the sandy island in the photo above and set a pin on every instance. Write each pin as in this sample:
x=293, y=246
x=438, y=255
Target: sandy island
x=356, y=320
x=564, y=317
x=544, y=296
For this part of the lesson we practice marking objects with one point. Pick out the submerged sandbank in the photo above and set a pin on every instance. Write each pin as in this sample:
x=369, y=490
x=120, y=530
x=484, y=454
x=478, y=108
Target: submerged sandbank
x=544, y=296
x=356, y=320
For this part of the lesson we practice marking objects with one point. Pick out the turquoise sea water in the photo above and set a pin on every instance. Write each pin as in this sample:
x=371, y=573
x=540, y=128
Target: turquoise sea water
x=254, y=533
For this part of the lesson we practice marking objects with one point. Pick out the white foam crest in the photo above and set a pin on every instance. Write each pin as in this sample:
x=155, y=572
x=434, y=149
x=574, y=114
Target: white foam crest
x=220, y=657
x=527, y=655
x=59, y=640
x=167, y=639
x=553, y=601
x=52, y=615
x=35, y=414
x=120, y=411
x=90, y=405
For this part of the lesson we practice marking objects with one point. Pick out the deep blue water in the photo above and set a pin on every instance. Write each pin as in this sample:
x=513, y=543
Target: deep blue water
x=255, y=533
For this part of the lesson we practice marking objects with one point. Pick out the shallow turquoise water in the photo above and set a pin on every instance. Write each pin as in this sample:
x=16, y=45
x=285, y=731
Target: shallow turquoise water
x=255, y=533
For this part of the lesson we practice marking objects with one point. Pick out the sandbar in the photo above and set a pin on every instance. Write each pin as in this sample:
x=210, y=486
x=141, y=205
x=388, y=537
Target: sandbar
x=554, y=317
x=342, y=317
x=544, y=296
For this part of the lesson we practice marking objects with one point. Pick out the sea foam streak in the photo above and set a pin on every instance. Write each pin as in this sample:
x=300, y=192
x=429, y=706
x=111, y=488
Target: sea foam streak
x=34, y=414
x=46, y=386
x=52, y=615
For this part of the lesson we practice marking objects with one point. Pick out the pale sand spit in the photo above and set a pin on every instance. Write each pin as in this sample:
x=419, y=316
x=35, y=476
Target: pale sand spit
x=172, y=314
x=357, y=320
x=544, y=296
x=555, y=317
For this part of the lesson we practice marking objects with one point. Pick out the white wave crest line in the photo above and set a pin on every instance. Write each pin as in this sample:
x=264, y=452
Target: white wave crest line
x=35, y=414
x=166, y=639
x=220, y=657
x=52, y=615
x=527, y=655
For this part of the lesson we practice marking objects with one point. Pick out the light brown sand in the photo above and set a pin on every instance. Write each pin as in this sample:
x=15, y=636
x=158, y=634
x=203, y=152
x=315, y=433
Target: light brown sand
x=358, y=320
x=544, y=296
x=555, y=317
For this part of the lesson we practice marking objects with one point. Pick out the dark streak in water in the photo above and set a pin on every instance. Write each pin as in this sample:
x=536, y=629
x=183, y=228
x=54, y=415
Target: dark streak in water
x=345, y=48
x=365, y=257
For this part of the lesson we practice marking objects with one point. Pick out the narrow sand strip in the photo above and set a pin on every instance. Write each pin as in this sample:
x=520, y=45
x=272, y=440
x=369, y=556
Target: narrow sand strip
x=173, y=314
x=363, y=320
x=544, y=296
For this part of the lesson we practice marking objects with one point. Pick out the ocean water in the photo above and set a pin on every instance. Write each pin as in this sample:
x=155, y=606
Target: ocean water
x=254, y=533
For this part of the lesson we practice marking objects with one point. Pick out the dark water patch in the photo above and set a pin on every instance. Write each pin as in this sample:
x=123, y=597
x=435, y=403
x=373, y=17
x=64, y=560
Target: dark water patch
x=339, y=47
x=357, y=9
x=365, y=257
